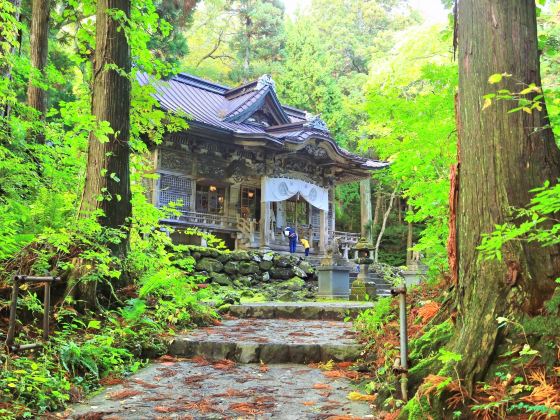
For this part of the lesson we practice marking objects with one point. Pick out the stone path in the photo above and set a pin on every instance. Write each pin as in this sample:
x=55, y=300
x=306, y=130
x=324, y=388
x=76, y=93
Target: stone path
x=216, y=380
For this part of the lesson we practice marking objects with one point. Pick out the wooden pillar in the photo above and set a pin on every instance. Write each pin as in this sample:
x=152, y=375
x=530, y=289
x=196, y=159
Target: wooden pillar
x=323, y=231
x=265, y=218
x=365, y=207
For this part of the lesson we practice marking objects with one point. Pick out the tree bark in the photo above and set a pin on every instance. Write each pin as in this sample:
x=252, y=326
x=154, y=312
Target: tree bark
x=107, y=185
x=377, y=210
x=5, y=65
x=39, y=49
x=384, y=224
x=409, y=239
x=503, y=156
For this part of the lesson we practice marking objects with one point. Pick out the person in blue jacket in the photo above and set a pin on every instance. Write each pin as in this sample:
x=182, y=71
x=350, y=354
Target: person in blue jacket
x=292, y=236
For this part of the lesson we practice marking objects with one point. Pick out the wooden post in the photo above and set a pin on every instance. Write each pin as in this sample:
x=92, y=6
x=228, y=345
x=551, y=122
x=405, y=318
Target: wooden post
x=265, y=218
x=322, y=231
x=46, y=313
x=13, y=308
x=365, y=207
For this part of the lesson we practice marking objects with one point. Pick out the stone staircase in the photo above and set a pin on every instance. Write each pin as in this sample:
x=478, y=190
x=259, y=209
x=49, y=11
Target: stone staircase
x=250, y=367
x=285, y=332
x=382, y=287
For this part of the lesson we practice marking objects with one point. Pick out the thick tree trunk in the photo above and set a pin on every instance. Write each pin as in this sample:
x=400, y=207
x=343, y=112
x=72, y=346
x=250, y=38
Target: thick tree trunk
x=107, y=186
x=39, y=48
x=503, y=156
x=5, y=65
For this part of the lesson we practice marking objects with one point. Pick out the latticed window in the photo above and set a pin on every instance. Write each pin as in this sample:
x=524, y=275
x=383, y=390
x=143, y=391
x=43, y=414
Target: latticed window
x=176, y=189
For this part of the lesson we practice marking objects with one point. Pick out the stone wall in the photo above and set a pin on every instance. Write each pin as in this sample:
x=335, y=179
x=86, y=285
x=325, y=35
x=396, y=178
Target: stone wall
x=278, y=277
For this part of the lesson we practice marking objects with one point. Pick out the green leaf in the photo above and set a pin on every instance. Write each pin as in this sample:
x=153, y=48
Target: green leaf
x=94, y=325
x=495, y=78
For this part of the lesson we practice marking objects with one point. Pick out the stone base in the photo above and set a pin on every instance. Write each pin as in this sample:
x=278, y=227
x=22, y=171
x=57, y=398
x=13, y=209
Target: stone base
x=371, y=290
x=333, y=282
x=413, y=277
x=358, y=291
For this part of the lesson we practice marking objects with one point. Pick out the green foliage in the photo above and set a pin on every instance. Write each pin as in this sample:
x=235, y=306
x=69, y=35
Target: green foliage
x=535, y=223
x=431, y=341
x=34, y=384
x=371, y=321
x=411, y=123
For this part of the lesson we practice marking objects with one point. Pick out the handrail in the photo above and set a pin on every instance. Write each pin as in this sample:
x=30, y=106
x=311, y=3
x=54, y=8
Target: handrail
x=348, y=237
x=206, y=219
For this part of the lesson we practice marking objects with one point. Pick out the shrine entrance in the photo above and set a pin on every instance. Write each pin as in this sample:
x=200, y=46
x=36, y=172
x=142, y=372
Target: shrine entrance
x=250, y=202
x=297, y=211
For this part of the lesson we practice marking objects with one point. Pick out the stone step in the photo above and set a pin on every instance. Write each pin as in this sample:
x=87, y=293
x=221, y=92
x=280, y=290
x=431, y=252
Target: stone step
x=383, y=288
x=190, y=390
x=271, y=341
x=299, y=310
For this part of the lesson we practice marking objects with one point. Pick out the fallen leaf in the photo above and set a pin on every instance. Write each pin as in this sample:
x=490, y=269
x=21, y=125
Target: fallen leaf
x=344, y=365
x=224, y=364
x=164, y=409
x=167, y=373
x=145, y=384
x=322, y=386
x=195, y=378
x=200, y=360
x=111, y=380
x=356, y=396
x=246, y=408
x=350, y=374
x=121, y=395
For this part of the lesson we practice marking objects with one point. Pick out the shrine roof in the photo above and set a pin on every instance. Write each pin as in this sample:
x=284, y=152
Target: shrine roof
x=236, y=109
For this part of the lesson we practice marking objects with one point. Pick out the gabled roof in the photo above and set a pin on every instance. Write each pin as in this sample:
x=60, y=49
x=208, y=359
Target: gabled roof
x=214, y=105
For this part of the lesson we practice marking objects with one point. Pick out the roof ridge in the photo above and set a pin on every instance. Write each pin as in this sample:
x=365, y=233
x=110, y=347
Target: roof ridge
x=201, y=83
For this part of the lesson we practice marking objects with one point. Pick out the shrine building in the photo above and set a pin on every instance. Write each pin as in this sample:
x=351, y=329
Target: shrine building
x=249, y=166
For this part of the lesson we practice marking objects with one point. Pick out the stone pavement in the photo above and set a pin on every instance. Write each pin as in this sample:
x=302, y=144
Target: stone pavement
x=217, y=381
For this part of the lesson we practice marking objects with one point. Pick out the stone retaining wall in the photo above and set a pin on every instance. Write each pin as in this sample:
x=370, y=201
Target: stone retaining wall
x=283, y=277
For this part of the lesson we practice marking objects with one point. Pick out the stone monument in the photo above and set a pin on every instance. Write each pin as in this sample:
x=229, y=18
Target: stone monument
x=362, y=286
x=415, y=270
x=333, y=274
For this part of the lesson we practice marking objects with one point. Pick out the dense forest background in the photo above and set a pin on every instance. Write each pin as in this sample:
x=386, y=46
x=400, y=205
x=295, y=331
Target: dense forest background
x=321, y=59
x=381, y=78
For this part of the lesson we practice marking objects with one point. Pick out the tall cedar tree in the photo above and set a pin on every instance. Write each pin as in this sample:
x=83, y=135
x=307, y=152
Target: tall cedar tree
x=502, y=156
x=39, y=50
x=107, y=173
x=5, y=65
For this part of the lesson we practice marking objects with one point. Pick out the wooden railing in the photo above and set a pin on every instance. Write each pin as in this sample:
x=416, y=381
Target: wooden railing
x=346, y=237
x=205, y=220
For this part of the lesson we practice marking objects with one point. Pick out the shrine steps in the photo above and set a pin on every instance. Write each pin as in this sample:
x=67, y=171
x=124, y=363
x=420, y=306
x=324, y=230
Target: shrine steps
x=296, y=332
x=333, y=311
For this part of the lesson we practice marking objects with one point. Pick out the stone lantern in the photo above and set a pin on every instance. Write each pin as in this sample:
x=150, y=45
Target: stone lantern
x=362, y=286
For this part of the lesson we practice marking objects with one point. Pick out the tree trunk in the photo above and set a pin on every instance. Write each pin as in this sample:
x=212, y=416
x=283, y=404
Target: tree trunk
x=409, y=239
x=377, y=208
x=5, y=65
x=39, y=48
x=503, y=156
x=384, y=224
x=107, y=173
